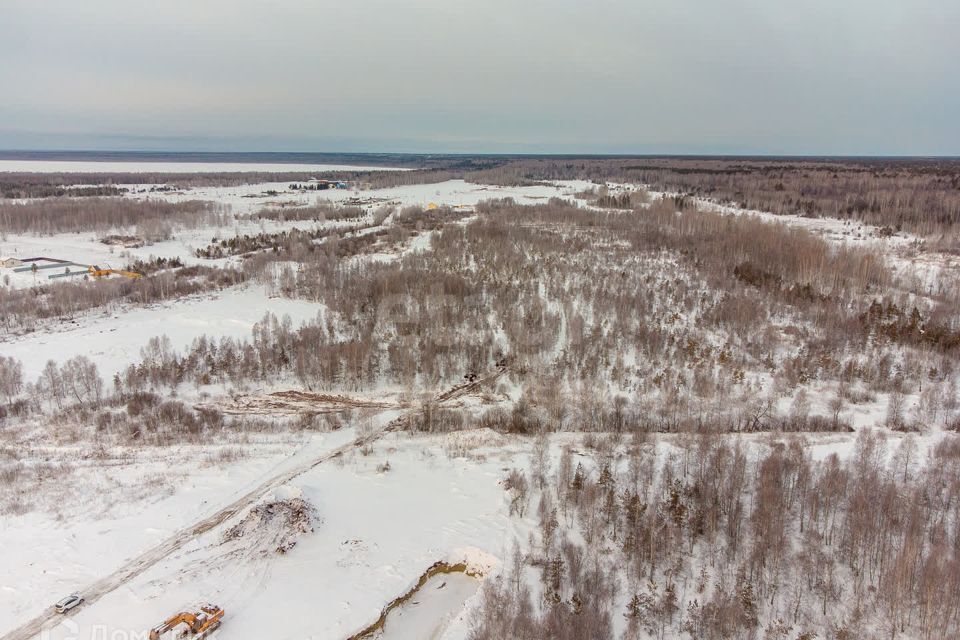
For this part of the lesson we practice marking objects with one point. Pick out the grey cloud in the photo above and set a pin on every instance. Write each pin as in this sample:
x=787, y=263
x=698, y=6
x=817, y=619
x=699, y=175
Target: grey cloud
x=742, y=76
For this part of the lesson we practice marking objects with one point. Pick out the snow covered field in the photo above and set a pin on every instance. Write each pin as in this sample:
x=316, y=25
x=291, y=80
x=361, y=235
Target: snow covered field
x=454, y=193
x=86, y=248
x=112, y=510
x=375, y=532
x=113, y=341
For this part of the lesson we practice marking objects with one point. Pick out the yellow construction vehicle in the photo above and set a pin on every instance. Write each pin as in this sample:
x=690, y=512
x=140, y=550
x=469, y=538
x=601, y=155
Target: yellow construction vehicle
x=200, y=624
x=97, y=272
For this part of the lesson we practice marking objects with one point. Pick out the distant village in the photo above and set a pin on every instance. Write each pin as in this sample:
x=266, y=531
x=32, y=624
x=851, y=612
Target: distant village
x=317, y=184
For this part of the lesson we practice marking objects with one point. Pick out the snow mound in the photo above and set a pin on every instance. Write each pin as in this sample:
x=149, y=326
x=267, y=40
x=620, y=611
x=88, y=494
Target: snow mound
x=478, y=563
x=285, y=492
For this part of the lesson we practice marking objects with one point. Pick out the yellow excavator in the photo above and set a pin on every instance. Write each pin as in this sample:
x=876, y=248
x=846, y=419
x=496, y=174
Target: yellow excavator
x=200, y=624
x=97, y=272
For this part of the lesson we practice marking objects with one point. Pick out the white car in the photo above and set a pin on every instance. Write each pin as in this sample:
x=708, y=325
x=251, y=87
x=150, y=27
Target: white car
x=71, y=601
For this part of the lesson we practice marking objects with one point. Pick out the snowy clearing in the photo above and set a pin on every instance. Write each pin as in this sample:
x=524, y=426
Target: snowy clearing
x=435, y=505
x=113, y=341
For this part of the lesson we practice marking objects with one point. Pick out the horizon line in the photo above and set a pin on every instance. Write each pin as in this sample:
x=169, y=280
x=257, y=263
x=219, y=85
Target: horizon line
x=467, y=154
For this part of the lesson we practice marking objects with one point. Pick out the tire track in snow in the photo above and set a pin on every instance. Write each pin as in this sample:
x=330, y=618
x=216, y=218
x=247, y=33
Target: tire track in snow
x=141, y=563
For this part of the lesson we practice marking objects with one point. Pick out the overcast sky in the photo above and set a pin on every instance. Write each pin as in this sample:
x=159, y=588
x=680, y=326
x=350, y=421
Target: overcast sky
x=599, y=76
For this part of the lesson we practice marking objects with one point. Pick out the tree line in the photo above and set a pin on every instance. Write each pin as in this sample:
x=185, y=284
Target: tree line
x=72, y=215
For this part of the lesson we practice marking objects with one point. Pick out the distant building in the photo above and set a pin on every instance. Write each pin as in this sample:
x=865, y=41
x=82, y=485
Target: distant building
x=6, y=261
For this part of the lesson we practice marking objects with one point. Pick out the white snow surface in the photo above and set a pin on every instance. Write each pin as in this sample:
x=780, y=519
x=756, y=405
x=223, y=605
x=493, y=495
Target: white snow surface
x=113, y=341
x=454, y=193
x=61, y=554
x=374, y=535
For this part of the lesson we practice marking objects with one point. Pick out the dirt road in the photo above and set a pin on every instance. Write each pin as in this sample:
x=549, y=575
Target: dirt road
x=147, y=559
x=144, y=561
x=294, y=401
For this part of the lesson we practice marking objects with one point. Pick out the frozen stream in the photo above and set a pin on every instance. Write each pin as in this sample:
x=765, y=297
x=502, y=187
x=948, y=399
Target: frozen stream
x=428, y=612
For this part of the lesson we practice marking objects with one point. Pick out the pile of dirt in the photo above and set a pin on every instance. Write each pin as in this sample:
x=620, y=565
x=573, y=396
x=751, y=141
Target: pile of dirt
x=294, y=402
x=129, y=242
x=274, y=525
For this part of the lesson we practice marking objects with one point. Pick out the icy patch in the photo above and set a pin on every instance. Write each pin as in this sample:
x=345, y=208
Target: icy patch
x=437, y=599
x=431, y=609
